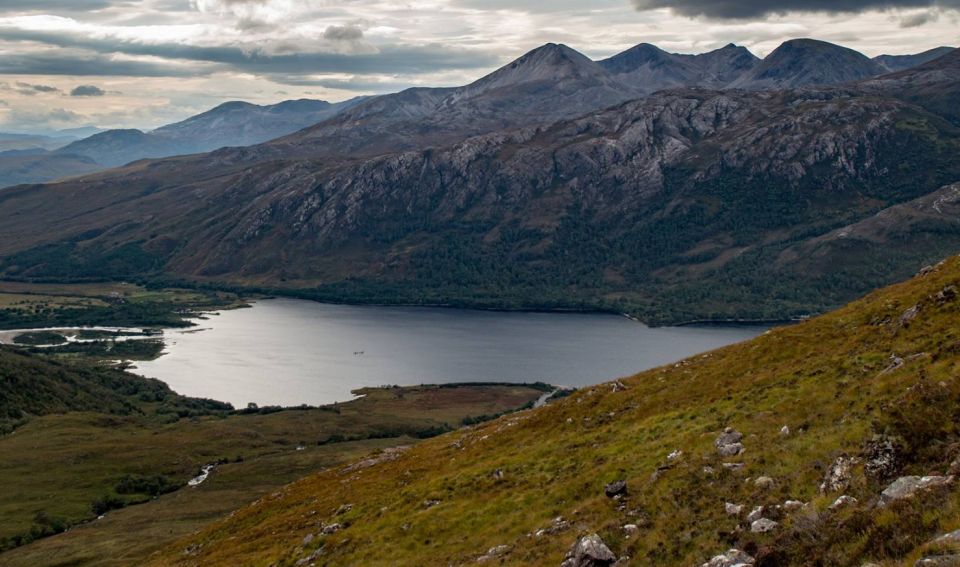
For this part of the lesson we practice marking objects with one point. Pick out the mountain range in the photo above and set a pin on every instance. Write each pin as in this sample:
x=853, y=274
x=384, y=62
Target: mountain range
x=555, y=181
x=237, y=123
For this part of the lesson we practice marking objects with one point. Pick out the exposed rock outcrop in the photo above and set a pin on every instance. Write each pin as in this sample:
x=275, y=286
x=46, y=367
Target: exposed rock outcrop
x=732, y=558
x=728, y=443
x=908, y=486
x=839, y=475
x=589, y=551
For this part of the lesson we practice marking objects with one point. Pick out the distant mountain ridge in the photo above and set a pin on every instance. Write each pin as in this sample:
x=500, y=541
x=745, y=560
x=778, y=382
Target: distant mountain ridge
x=550, y=83
x=893, y=63
x=233, y=123
x=648, y=68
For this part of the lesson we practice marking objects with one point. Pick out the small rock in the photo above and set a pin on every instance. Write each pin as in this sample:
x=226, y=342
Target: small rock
x=843, y=501
x=732, y=558
x=909, y=315
x=493, y=553
x=728, y=443
x=755, y=514
x=939, y=561
x=881, y=457
x=730, y=450
x=925, y=270
x=343, y=509
x=895, y=363
x=907, y=486
x=946, y=294
x=618, y=386
x=950, y=538
x=558, y=525
x=676, y=454
x=839, y=476
x=589, y=551
x=793, y=505
x=430, y=503
x=307, y=539
x=784, y=431
x=631, y=529
x=764, y=483
x=617, y=488
x=732, y=509
x=733, y=467
x=763, y=526
x=332, y=529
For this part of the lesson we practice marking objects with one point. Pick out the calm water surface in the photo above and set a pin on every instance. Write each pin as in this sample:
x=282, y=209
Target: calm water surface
x=291, y=352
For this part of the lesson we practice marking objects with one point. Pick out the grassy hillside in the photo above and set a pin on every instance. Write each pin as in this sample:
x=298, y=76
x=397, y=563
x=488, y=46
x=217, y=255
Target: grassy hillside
x=35, y=386
x=61, y=469
x=876, y=381
x=32, y=305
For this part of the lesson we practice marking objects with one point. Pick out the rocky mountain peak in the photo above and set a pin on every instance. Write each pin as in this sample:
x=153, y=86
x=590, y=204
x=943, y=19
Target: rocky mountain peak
x=804, y=62
x=635, y=57
x=551, y=62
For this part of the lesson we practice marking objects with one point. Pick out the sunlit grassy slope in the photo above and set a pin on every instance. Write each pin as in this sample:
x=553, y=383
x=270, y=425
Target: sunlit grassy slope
x=57, y=465
x=834, y=381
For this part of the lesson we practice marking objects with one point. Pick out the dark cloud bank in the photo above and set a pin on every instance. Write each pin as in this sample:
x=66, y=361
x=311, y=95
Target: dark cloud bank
x=759, y=8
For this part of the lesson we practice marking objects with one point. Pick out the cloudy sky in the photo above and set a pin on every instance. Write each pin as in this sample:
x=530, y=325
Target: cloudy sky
x=130, y=63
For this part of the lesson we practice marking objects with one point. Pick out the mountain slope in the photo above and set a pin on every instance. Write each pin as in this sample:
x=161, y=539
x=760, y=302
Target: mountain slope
x=32, y=386
x=648, y=68
x=804, y=62
x=240, y=123
x=117, y=147
x=25, y=166
x=550, y=83
x=230, y=124
x=868, y=393
x=893, y=63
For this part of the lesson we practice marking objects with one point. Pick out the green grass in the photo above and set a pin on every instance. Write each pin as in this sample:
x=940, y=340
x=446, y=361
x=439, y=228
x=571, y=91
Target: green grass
x=827, y=379
x=56, y=466
x=111, y=304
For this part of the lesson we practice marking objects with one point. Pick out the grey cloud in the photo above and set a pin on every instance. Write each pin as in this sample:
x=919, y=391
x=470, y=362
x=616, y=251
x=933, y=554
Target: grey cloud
x=29, y=89
x=362, y=84
x=81, y=63
x=735, y=9
x=916, y=20
x=343, y=33
x=388, y=60
x=87, y=90
x=55, y=6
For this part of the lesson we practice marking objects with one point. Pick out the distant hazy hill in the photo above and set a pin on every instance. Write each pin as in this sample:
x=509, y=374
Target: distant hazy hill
x=11, y=141
x=230, y=124
x=901, y=62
